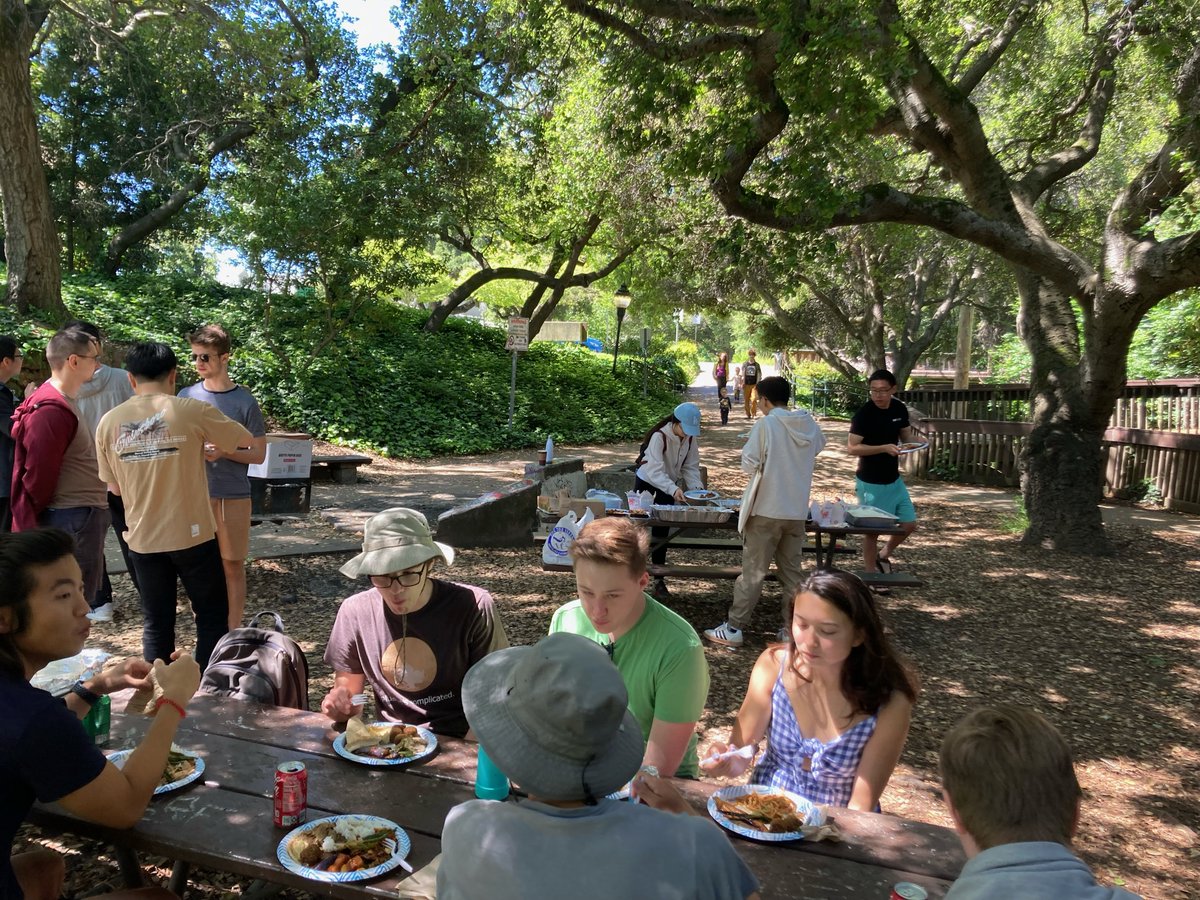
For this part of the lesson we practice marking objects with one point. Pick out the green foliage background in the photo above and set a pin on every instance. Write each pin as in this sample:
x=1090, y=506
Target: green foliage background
x=382, y=383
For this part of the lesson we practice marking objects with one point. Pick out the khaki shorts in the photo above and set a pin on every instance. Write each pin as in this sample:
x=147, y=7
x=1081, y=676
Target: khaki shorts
x=233, y=527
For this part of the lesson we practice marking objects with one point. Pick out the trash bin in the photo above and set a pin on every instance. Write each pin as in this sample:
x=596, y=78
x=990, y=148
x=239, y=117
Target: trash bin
x=270, y=497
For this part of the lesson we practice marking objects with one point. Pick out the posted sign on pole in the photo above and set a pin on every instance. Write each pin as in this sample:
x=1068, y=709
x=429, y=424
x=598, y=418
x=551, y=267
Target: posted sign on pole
x=518, y=334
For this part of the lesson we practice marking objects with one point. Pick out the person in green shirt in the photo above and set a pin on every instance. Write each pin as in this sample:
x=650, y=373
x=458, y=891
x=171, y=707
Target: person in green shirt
x=659, y=655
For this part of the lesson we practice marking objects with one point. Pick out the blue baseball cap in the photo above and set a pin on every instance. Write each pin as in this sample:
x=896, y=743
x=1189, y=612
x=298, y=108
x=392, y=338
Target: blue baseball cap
x=688, y=415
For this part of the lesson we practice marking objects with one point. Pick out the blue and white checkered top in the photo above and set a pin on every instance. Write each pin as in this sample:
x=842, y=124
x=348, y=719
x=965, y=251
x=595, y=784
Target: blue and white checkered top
x=828, y=777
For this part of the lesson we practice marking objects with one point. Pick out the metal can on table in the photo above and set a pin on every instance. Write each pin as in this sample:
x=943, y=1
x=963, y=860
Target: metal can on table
x=291, y=794
x=906, y=890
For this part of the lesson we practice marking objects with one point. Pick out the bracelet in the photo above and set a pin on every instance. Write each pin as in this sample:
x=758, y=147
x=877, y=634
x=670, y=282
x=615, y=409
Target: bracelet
x=167, y=700
x=91, y=698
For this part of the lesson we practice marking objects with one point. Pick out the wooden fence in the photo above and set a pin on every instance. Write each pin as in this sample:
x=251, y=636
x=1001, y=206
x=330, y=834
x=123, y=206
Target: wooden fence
x=1138, y=462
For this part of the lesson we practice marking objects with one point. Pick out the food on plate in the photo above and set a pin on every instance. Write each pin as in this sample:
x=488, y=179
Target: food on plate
x=762, y=812
x=909, y=446
x=179, y=766
x=383, y=741
x=345, y=846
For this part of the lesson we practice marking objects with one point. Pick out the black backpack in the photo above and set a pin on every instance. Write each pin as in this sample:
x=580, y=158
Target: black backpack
x=259, y=664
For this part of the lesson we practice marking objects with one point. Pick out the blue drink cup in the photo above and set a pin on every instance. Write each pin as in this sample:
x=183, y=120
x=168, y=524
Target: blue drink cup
x=490, y=782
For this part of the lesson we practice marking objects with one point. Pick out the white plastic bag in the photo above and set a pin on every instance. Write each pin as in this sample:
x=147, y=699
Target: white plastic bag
x=558, y=543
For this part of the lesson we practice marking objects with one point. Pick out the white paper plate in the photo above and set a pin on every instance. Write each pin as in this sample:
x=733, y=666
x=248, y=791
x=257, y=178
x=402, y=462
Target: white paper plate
x=913, y=446
x=401, y=848
x=118, y=760
x=339, y=747
x=804, y=809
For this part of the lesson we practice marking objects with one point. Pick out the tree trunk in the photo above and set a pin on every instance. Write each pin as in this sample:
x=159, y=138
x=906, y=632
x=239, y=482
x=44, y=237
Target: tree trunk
x=30, y=239
x=1061, y=474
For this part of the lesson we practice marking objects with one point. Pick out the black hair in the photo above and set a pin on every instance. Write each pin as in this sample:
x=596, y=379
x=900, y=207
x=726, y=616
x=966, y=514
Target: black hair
x=19, y=553
x=882, y=375
x=775, y=389
x=665, y=420
x=85, y=327
x=151, y=361
x=8, y=347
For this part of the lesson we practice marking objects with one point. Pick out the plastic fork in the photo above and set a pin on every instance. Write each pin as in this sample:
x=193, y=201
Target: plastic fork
x=358, y=700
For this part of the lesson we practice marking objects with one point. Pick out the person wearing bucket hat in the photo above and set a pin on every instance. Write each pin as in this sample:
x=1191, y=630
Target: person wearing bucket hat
x=411, y=635
x=669, y=457
x=657, y=651
x=554, y=719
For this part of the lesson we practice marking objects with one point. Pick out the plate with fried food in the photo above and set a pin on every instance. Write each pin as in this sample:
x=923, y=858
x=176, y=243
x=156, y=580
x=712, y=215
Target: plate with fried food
x=384, y=743
x=182, y=768
x=762, y=812
x=341, y=849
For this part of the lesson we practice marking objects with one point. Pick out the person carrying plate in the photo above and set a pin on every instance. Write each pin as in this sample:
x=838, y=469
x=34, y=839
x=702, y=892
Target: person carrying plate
x=834, y=702
x=45, y=754
x=876, y=431
x=669, y=457
x=554, y=718
x=411, y=635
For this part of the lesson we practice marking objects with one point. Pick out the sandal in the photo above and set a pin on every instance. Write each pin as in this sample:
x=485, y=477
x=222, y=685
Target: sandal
x=884, y=565
x=880, y=590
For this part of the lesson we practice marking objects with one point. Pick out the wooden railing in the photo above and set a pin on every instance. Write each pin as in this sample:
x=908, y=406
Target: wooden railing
x=1138, y=462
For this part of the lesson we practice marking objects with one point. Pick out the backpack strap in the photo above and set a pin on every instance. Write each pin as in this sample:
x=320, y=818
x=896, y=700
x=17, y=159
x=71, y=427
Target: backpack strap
x=276, y=625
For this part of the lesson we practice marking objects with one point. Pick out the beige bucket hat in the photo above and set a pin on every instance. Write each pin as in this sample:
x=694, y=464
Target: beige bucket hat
x=395, y=540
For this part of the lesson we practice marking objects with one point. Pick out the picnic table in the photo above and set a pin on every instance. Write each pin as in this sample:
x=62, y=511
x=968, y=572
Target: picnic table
x=224, y=820
x=686, y=535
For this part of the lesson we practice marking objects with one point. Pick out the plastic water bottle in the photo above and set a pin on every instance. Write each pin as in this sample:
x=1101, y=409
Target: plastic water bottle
x=490, y=782
x=549, y=449
x=97, y=722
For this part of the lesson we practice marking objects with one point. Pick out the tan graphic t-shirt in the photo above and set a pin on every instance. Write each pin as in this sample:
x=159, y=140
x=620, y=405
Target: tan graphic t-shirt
x=152, y=447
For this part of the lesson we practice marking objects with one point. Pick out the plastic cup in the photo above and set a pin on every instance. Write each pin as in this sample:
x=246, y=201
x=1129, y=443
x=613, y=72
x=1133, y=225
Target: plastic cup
x=490, y=782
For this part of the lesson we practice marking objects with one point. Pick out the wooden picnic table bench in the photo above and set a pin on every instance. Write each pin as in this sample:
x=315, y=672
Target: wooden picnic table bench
x=342, y=468
x=224, y=820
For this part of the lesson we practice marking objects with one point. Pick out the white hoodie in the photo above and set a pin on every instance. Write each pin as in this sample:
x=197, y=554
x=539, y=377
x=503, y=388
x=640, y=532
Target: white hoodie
x=792, y=441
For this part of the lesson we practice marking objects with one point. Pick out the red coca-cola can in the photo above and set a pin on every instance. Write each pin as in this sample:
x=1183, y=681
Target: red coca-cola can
x=906, y=890
x=291, y=794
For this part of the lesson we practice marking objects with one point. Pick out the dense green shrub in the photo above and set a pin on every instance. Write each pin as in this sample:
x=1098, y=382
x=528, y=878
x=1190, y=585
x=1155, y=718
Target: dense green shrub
x=378, y=382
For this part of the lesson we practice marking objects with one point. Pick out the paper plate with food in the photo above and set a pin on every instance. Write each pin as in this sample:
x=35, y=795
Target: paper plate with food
x=344, y=848
x=762, y=812
x=182, y=768
x=912, y=446
x=384, y=743
x=700, y=496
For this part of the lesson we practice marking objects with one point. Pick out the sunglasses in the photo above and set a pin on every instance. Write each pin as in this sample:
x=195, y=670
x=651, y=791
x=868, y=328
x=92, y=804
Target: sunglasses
x=204, y=357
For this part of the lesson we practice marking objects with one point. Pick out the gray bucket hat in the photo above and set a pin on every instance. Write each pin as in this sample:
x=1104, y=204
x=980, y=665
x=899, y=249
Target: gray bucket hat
x=395, y=540
x=554, y=718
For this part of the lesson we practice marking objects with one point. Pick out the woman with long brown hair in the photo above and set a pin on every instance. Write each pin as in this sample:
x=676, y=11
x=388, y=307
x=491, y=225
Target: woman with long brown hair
x=834, y=702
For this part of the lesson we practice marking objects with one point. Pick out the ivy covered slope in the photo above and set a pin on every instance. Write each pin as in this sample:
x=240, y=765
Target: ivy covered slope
x=378, y=381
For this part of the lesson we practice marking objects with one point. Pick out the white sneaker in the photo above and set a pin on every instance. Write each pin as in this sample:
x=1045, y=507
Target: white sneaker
x=724, y=634
x=103, y=613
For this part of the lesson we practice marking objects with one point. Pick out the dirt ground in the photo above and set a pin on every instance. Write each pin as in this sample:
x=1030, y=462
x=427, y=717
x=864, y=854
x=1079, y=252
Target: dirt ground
x=1106, y=647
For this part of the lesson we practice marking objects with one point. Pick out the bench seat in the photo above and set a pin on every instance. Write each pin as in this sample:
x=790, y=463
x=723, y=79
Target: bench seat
x=342, y=468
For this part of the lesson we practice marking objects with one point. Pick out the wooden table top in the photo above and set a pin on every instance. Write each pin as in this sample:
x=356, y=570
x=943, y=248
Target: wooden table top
x=225, y=820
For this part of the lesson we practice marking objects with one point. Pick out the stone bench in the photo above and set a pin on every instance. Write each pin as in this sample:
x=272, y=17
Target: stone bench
x=342, y=468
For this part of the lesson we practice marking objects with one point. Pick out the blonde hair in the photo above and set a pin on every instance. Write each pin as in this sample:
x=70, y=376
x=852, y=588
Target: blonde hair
x=1009, y=774
x=614, y=541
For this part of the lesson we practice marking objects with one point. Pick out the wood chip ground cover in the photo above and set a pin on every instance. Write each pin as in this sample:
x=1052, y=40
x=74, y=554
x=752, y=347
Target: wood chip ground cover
x=1106, y=647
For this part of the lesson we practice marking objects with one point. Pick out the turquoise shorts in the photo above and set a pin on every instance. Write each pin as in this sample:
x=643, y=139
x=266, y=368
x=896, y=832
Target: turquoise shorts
x=891, y=498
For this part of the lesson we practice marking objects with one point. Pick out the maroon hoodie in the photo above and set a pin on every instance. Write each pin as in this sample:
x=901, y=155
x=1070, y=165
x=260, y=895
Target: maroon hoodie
x=43, y=428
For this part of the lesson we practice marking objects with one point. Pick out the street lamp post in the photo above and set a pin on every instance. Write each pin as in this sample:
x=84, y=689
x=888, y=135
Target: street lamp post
x=622, y=298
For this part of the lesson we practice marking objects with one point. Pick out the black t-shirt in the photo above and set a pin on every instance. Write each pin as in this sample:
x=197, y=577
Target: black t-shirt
x=750, y=373
x=876, y=427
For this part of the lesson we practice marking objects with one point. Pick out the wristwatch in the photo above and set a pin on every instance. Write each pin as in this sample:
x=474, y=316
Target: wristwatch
x=88, y=697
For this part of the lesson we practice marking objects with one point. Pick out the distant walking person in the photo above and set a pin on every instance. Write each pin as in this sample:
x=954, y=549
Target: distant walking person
x=228, y=478
x=55, y=479
x=751, y=373
x=10, y=367
x=151, y=451
x=875, y=433
x=721, y=372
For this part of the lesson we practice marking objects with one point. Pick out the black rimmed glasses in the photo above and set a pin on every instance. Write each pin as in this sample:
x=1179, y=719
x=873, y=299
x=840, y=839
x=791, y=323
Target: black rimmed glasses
x=404, y=579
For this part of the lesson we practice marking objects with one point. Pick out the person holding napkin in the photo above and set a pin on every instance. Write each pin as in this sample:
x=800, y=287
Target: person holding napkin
x=412, y=635
x=45, y=754
x=554, y=719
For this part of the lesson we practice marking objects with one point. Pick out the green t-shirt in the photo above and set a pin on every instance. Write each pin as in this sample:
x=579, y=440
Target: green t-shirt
x=662, y=662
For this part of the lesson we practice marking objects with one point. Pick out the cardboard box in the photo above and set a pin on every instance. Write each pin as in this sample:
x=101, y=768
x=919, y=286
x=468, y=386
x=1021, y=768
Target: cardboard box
x=579, y=506
x=288, y=456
